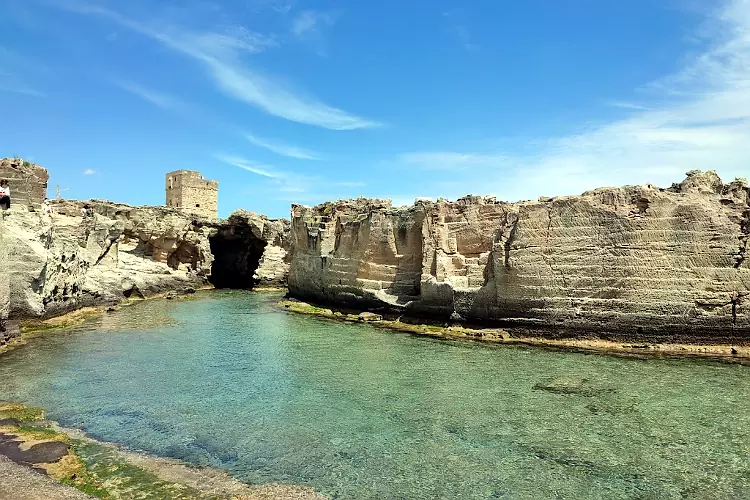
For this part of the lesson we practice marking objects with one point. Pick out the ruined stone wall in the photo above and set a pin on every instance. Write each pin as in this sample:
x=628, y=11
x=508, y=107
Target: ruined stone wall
x=28, y=182
x=638, y=260
x=189, y=191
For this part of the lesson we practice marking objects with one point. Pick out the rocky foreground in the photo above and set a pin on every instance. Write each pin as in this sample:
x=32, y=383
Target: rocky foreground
x=636, y=261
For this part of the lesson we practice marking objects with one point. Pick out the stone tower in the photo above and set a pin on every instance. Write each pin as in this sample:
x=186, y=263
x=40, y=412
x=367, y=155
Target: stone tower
x=28, y=182
x=188, y=190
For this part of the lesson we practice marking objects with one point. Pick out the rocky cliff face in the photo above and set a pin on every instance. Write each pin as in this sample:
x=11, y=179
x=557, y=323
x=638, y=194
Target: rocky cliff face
x=60, y=263
x=66, y=260
x=637, y=260
x=5, y=327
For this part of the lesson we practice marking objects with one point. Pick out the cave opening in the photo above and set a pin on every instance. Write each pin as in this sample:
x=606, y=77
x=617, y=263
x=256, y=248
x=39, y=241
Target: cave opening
x=237, y=253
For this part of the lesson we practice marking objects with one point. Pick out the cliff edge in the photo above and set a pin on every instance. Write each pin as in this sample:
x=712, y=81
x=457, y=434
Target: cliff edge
x=636, y=260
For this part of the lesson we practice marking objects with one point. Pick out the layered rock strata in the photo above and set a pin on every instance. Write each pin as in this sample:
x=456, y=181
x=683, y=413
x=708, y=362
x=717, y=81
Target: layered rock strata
x=635, y=260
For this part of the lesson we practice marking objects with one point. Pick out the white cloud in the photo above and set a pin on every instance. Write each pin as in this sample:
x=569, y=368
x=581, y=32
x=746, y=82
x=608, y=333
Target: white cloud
x=291, y=186
x=262, y=170
x=310, y=20
x=350, y=184
x=89, y=171
x=160, y=99
x=698, y=118
x=283, y=149
x=220, y=55
x=448, y=160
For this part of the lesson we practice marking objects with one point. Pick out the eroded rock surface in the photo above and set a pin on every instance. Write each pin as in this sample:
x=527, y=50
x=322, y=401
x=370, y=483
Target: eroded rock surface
x=66, y=260
x=637, y=260
x=249, y=250
x=61, y=262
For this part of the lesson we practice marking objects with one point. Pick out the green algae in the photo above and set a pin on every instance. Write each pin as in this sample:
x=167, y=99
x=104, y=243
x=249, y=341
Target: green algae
x=94, y=468
x=107, y=475
x=20, y=412
x=447, y=331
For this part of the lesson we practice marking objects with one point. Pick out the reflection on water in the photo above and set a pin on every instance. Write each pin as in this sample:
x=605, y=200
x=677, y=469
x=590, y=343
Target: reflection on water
x=356, y=412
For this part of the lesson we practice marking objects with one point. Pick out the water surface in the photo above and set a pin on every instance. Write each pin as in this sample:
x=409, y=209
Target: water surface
x=231, y=381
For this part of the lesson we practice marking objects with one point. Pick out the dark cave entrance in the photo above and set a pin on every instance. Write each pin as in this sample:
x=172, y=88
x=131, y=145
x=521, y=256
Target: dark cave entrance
x=237, y=252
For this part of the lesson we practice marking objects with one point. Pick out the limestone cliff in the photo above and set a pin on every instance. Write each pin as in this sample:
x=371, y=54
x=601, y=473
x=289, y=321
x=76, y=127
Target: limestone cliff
x=58, y=263
x=636, y=260
x=66, y=260
x=5, y=329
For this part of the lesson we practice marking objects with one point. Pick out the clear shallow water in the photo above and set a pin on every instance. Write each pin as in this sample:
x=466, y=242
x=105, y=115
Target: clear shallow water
x=356, y=412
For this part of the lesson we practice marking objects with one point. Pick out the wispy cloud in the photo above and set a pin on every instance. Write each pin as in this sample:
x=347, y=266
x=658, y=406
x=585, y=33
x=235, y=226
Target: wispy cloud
x=626, y=105
x=309, y=21
x=258, y=169
x=464, y=37
x=283, y=149
x=15, y=73
x=221, y=55
x=350, y=184
x=697, y=118
x=160, y=99
x=458, y=28
x=447, y=160
x=291, y=186
x=89, y=171
x=13, y=85
x=282, y=7
x=309, y=26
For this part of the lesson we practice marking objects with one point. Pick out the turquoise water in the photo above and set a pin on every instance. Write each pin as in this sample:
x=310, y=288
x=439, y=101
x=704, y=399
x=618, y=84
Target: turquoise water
x=356, y=412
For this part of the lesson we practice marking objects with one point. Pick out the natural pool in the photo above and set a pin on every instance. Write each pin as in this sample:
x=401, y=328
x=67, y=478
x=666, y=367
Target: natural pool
x=231, y=381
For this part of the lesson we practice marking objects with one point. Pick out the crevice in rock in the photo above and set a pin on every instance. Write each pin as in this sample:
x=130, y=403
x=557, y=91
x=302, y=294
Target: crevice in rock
x=110, y=243
x=237, y=253
x=511, y=220
x=744, y=237
x=548, y=258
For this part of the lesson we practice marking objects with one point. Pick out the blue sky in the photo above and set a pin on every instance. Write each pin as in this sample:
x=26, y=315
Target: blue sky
x=306, y=101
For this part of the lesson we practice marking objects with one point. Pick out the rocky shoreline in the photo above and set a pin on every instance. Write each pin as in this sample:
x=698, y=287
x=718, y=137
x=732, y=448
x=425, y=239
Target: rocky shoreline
x=730, y=352
x=105, y=470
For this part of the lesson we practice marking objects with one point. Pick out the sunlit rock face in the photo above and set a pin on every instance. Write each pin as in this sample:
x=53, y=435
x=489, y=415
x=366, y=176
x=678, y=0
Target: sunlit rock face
x=638, y=260
x=63, y=261
x=98, y=252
